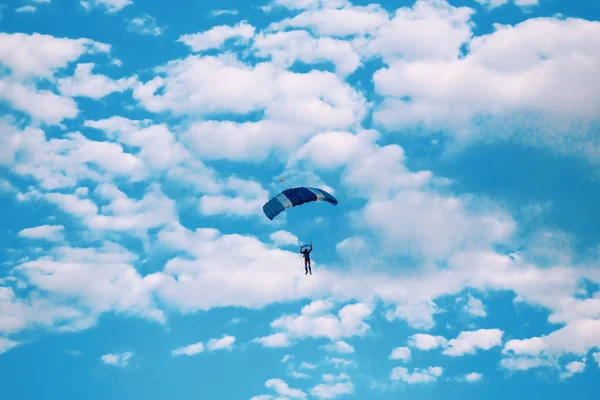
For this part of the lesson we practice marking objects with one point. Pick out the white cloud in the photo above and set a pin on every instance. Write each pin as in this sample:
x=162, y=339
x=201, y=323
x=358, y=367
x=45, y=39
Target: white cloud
x=423, y=341
x=597, y=357
x=419, y=315
x=339, y=362
x=118, y=359
x=418, y=375
x=157, y=144
x=224, y=343
x=453, y=223
x=526, y=3
x=190, y=350
x=53, y=233
x=400, y=353
x=296, y=105
x=305, y=4
x=481, y=95
x=63, y=162
x=145, y=25
x=473, y=377
x=524, y=363
x=431, y=30
x=118, y=287
x=41, y=105
x=282, y=389
x=122, y=214
x=274, y=340
x=577, y=337
x=248, y=200
x=217, y=13
x=491, y=4
x=26, y=9
x=340, y=347
x=110, y=6
x=299, y=375
x=285, y=48
x=284, y=238
x=572, y=368
x=306, y=365
x=475, y=307
x=348, y=323
x=84, y=83
x=217, y=36
x=40, y=56
x=469, y=342
x=317, y=307
x=7, y=344
x=333, y=386
x=339, y=22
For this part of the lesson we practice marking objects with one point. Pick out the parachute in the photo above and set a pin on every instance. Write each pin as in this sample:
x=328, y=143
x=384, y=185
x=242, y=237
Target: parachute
x=295, y=197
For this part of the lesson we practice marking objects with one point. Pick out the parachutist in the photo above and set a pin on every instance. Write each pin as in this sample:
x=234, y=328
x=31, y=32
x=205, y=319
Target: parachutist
x=306, y=253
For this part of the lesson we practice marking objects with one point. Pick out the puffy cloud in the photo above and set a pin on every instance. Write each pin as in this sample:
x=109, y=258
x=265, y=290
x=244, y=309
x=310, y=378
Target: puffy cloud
x=40, y=56
x=418, y=375
x=572, y=368
x=117, y=360
x=41, y=105
x=469, y=342
x=66, y=272
x=157, y=145
x=400, y=353
x=348, y=323
x=285, y=48
x=284, y=238
x=333, y=386
x=85, y=83
x=282, y=389
x=340, y=347
x=577, y=337
x=339, y=22
x=224, y=343
x=500, y=88
x=435, y=225
x=423, y=341
x=190, y=350
x=122, y=214
x=294, y=104
x=53, y=233
x=249, y=199
x=475, y=307
x=473, y=377
x=216, y=37
x=430, y=30
x=62, y=162
x=274, y=340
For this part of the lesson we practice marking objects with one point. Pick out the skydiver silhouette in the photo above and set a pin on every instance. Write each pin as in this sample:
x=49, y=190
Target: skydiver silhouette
x=306, y=253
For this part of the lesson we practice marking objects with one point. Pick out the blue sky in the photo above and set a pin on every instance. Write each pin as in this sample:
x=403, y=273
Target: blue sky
x=139, y=141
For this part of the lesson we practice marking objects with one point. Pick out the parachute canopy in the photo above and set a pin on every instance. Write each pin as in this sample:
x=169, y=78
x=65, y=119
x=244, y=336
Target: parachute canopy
x=294, y=197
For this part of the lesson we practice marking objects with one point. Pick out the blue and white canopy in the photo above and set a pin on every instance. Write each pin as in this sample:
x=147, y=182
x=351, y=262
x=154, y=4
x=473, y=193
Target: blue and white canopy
x=294, y=197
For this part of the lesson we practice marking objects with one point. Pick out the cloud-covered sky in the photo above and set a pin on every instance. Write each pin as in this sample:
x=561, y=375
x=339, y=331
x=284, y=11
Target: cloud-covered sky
x=140, y=140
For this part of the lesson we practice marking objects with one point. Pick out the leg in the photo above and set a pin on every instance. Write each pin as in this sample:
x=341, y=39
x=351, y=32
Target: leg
x=309, y=267
x=305, y=267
